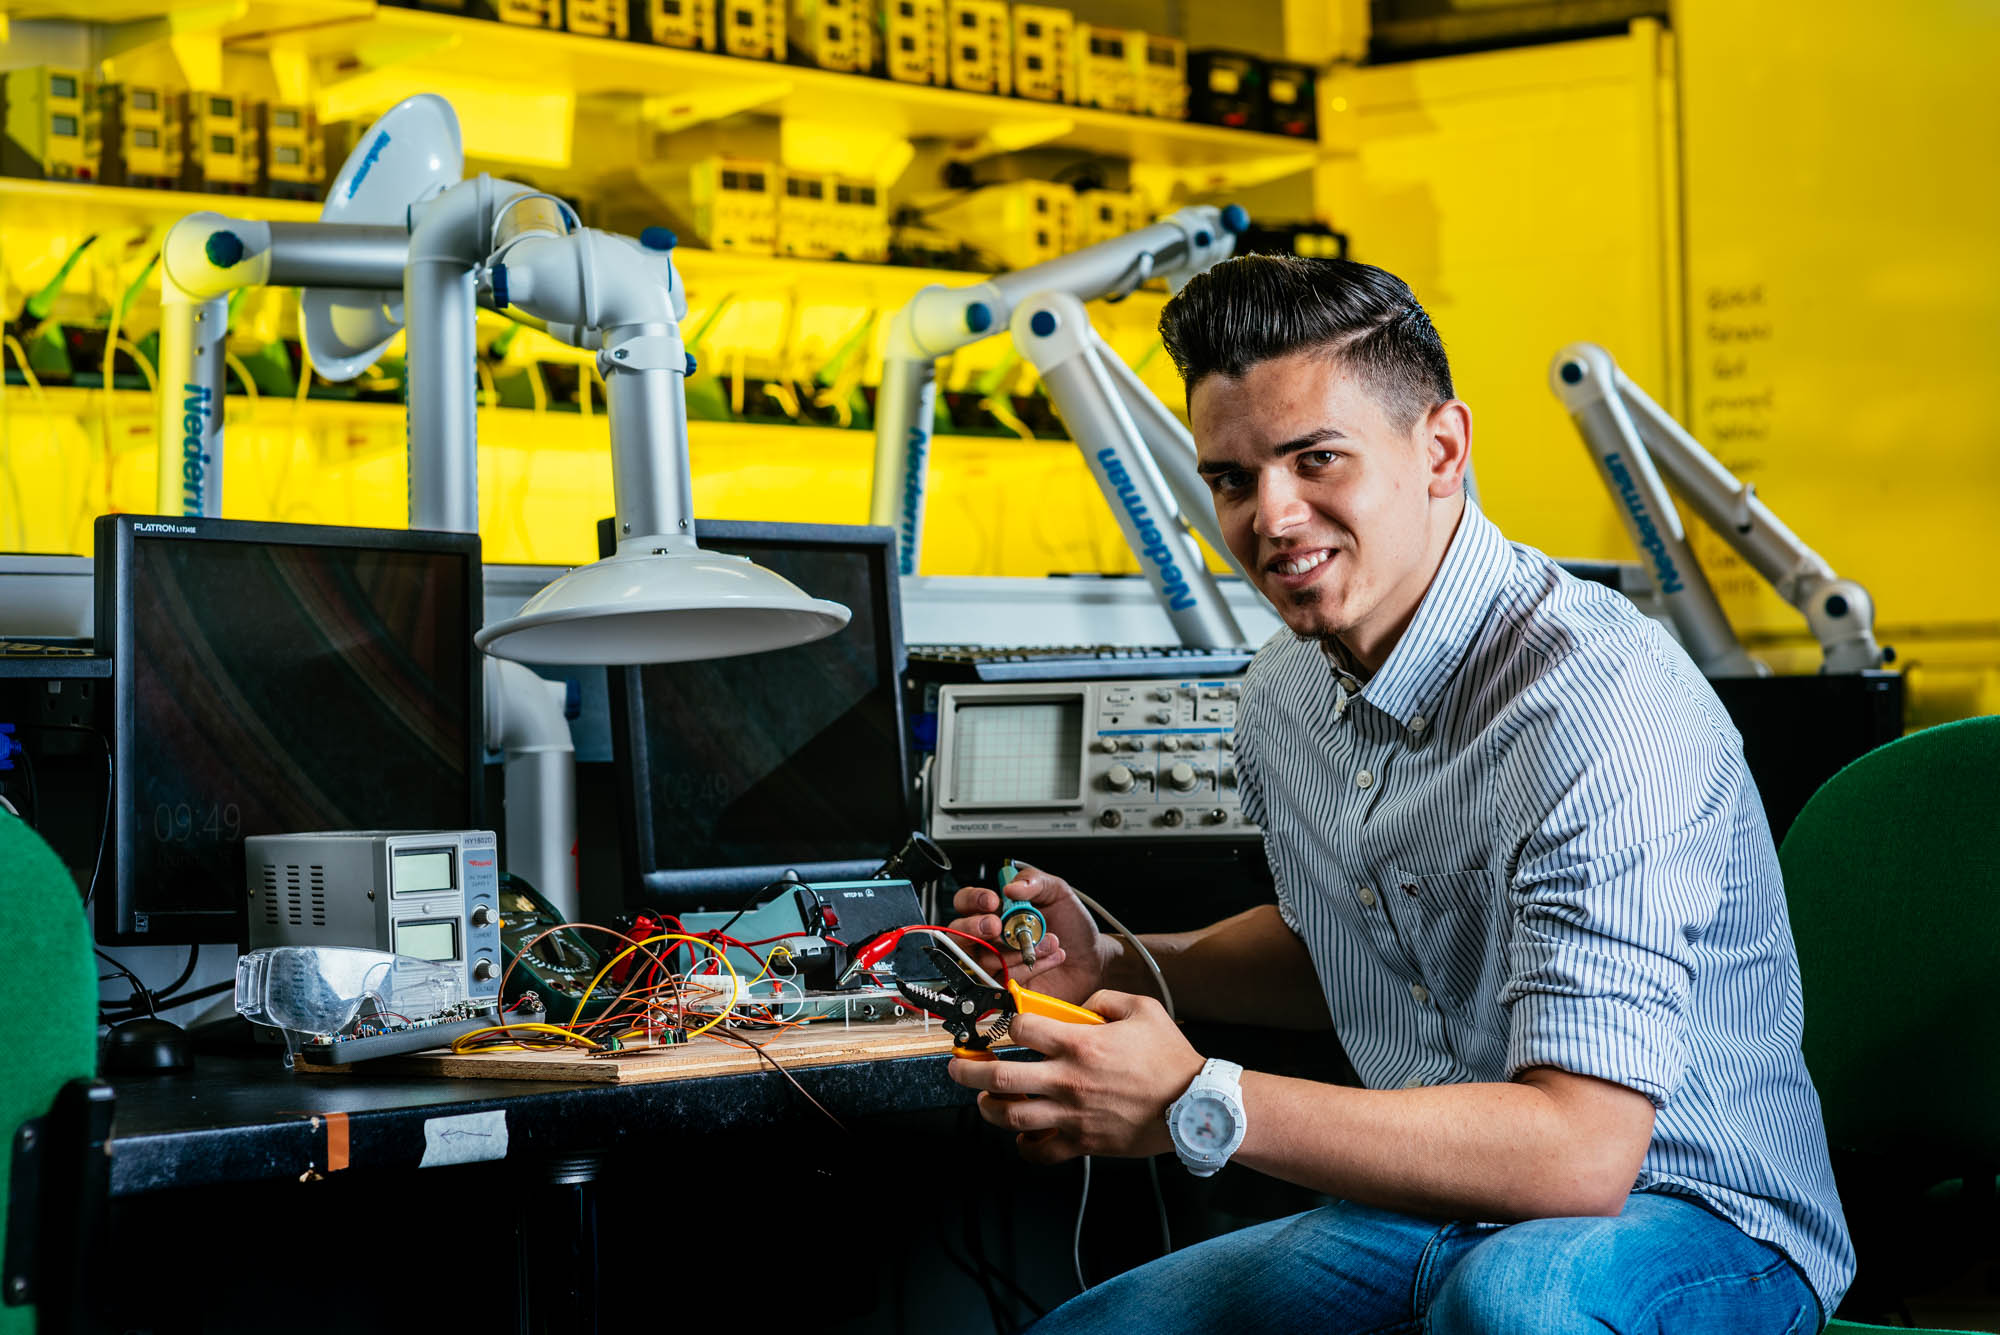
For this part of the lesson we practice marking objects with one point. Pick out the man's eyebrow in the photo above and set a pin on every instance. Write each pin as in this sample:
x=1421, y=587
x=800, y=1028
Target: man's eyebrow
x=1306, y=442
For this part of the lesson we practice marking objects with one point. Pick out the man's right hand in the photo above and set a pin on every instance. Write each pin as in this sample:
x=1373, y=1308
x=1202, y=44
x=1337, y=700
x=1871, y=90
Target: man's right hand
x=1070, y=960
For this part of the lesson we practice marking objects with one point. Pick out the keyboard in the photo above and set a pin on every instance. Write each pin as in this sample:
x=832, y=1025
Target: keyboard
x=954, y=664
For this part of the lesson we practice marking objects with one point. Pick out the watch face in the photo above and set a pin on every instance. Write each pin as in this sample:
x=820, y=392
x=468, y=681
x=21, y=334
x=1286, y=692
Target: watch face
x=1205, y=1125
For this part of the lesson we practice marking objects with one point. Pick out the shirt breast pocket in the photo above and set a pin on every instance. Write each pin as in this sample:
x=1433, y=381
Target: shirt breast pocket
x=1455, y=933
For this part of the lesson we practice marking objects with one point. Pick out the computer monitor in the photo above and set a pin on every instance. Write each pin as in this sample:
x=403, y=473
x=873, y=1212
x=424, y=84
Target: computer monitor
x=732, y=771
x=276, y=678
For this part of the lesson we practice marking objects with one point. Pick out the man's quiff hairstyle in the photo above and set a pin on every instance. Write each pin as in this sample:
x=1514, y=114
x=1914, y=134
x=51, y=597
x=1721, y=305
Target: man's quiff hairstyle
x=1256, y=307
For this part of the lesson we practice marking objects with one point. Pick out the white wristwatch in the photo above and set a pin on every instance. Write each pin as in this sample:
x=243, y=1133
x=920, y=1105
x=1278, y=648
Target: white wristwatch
x=1207, y=1122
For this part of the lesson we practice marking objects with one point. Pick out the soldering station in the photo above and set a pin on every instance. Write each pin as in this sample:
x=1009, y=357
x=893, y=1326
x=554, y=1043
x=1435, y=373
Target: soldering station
x=543, y=543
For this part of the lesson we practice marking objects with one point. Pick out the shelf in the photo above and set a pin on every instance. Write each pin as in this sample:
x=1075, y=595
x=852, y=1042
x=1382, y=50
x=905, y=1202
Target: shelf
x=258, y=17
x=407, y=46
x=558, y=429
x=80, y=209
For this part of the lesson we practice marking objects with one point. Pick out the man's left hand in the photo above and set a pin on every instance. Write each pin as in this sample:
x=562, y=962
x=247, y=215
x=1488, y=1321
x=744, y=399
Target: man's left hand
x=1101, y=1089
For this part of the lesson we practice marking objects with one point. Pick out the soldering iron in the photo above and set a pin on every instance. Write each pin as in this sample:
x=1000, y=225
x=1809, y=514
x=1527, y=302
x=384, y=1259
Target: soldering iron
x=1021, y=923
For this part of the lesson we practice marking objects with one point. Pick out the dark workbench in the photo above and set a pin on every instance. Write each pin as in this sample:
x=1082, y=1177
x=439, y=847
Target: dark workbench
x=245, y=1119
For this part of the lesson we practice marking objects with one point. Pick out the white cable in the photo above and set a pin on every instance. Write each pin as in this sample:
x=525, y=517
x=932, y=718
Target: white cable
x=1131, y=939
x=1076, y=1244
x=9, y=805
x=1152, y=1170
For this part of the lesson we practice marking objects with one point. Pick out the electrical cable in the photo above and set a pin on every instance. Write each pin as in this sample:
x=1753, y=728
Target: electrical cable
x=34, y=818
x=1166, y=999
x=140, y=992
x=104, y=832
x=1145, y=955
x=1076, y=1242
x=187, y=972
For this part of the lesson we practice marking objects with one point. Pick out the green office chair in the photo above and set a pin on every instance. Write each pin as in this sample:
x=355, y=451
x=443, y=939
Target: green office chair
x=1892, y=874
x=49, y=1054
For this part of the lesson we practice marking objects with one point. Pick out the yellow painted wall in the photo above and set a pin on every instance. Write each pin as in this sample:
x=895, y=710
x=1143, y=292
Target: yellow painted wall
x=1526, y=197
x=1844, y=292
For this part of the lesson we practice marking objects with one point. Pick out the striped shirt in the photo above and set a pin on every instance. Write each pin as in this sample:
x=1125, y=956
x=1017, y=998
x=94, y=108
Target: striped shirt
x=1530, y=840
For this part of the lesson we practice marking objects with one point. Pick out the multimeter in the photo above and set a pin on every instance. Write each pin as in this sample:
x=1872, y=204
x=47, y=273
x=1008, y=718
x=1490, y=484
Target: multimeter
x=558, y=966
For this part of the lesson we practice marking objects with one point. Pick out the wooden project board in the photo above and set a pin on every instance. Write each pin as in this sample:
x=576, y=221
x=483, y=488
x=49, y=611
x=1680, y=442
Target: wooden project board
x=810, y=1045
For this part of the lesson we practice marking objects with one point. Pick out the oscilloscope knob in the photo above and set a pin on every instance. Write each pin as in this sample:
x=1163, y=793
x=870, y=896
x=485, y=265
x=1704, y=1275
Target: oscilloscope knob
x=1163, y=693
x=1182, y=776
x=1171, y=816
x=1169, y=744
x=1119, y=778
x=1111, y=819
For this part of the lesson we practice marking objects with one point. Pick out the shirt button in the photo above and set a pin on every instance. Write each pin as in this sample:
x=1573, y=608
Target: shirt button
x=1364, y=780
x=1420, y=992
x=1410, y=889
x=1417, y=725
x=1415, y=1082
x=1367, y=897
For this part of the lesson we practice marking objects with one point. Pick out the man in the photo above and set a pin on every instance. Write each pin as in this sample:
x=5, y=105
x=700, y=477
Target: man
x=1521, y=870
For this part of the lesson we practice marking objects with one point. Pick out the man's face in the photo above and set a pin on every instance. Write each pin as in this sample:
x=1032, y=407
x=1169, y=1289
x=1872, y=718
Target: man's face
x=1329, y=505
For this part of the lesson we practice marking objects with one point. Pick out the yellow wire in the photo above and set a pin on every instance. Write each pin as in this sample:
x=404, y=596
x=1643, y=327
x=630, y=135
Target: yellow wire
x=713, y=949
x=458, y=1044
x=27, y=371
x=145, y=367
x=9, y=342
x=235, y=364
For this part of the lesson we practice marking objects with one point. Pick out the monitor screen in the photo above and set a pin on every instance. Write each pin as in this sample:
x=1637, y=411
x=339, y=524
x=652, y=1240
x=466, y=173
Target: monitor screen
x=734, y=770
x=274, y=678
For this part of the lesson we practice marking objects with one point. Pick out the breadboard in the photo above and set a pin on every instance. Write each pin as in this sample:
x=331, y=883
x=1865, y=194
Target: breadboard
x=810, y=1045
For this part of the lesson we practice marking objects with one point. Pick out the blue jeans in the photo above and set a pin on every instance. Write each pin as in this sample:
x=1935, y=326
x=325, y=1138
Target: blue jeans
x=1664, y=1266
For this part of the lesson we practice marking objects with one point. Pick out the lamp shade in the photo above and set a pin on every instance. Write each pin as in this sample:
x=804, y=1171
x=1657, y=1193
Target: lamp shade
x=662, y=607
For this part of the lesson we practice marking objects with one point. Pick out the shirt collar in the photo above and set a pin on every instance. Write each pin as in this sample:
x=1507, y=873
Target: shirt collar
x=1475, y=567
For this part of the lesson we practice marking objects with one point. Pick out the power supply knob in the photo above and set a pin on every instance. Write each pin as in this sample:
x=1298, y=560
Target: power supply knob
x=1118, y=779
x=481, y=915
x=1171, y=816
x=1111, y=820
x=1182, y=776
x=484, y=970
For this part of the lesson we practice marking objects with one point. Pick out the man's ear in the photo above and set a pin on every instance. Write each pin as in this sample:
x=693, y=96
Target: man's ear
x=1447, y=441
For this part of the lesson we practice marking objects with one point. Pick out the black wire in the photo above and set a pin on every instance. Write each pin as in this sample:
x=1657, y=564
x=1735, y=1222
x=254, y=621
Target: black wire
x=186, y=998
x=34, y=816
x=756, y=897
x=194, y=953
x=104, y=830
x=140, y=992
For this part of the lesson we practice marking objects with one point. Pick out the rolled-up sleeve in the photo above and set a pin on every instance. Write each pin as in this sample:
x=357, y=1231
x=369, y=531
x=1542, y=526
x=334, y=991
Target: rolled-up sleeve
x=1629, y=812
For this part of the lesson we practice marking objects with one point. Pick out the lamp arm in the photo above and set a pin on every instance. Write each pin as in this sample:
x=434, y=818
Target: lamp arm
x=1053, y=331
x=1839, y=612
x=1584, y=378
x=206, y=257
x=939, y=320
x=625, y=299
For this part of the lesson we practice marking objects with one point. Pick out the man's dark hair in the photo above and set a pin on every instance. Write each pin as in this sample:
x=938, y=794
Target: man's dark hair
x=1256, y=307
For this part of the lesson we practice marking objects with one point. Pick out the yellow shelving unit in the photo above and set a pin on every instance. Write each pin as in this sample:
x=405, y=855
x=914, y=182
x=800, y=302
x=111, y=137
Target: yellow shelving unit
x=1002, y=505
x=415, y=44
x=602, y=108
